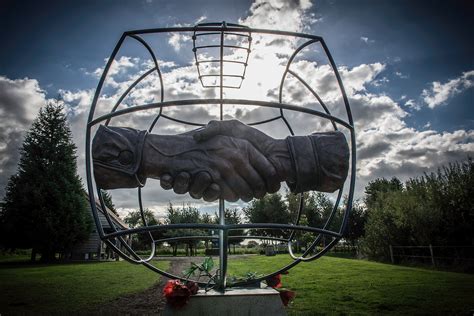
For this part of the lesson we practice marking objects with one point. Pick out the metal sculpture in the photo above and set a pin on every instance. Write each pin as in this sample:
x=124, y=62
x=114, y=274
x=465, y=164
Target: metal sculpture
x=125, y=157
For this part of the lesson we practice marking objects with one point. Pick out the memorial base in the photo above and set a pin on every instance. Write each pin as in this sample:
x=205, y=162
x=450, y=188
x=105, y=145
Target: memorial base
x=234, y=301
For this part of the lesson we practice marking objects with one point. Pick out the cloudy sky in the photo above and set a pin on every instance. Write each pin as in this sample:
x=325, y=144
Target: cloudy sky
x=407, y=66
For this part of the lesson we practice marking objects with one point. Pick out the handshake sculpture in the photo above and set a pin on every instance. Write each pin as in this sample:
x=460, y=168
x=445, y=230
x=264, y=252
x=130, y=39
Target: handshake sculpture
x=225, y=159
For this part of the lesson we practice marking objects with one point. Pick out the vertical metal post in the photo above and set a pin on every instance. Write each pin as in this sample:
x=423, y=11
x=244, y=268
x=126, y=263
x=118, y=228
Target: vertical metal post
x=391, y=254
x=223, y=244
x=221, y=61
x=222, y=233
x=432, y=256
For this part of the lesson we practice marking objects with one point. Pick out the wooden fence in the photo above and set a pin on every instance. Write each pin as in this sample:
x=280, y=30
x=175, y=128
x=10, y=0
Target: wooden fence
x=432, y=254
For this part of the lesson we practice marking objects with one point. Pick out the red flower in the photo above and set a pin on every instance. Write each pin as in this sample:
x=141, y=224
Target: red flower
x=274, y=281
x=193, y=287
x=287, y=296
x=176, y=293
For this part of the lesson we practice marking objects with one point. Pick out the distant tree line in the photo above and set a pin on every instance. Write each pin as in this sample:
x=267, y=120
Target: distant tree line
x=436, y=208
x=272, y=208
x=182, y=215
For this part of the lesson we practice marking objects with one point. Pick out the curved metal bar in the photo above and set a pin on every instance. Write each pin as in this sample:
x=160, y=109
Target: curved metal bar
x=314, y=93
x=286, y=268
x=90, y=186
x=196, y=58
x=298, y=216
x=220, y=23
x=182, y=121
x=264, y=121
x=258, y=237
x=318, y=238
x=202, y=124
x=112, y=226
x=155, y=121
x=224, y=61
x=145, y=223
x=218, y=75
x=223, y=46
x=353, y=138
x=142, y=41
x=230, y=28
x=120, y=239
x=220, y=227
x=197, y=237
x=302, y=46
x=227, y=33
x=286, y=122
x=280, y=94
x=218, y=101
x=119, y=101
x=351, y=191
x=288, y=70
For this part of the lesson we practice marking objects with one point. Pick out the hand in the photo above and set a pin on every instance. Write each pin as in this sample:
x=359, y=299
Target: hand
x=239, y=170
x=275, y=150
x=201, y=186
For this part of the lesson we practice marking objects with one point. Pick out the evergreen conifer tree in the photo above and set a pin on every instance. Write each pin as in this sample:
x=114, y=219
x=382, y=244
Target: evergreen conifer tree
x=45, y=207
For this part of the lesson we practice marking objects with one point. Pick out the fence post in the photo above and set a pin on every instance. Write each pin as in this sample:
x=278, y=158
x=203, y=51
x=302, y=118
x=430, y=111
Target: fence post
x=391, y=254
x=432, y=256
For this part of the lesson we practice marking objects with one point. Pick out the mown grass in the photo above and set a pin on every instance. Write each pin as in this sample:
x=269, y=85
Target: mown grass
x=343, y=286
x=66, y=288
x=326, y=286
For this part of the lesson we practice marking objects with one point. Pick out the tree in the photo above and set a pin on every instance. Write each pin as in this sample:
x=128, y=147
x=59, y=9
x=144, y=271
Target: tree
x=378, y=187
x=232, y=217
x=45, y=206
x=436, y=208
x=185, y=214
x=134, y=220
x=108, y=201
x=269, y=209
x=356, y=224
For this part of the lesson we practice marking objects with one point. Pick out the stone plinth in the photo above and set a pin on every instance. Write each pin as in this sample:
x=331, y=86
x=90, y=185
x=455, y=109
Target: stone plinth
x=232, y=302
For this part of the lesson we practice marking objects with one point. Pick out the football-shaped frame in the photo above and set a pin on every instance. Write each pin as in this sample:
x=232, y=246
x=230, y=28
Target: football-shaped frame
x=243, y=38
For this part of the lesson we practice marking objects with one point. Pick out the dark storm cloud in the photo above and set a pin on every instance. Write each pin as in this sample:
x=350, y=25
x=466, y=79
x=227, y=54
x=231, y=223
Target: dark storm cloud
x=20, y=101
x=372, y=150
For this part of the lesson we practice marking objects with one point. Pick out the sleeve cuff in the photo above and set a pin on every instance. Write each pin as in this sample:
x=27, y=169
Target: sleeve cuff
x=320, y=161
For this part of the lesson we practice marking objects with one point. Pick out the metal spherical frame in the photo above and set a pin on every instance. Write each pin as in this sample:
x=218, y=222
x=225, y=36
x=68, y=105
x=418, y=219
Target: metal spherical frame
x=116, y=237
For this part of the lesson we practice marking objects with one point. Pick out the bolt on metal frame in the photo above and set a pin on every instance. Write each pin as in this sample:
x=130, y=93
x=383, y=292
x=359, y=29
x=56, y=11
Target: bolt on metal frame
x=201, y=31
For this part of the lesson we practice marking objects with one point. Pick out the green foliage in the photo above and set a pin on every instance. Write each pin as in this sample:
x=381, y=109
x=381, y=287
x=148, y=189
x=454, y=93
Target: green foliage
x=190, y=214
x=269, y=209
x=45, y=207
x=182, y=215
x=436, y=208
x=201, y=270
x=134, y=219
x=252, y=244
x=356, y=225
x=378, y=187
x=232, y=217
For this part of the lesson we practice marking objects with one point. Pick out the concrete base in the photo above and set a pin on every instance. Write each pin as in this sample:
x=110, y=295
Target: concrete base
x=233, y=302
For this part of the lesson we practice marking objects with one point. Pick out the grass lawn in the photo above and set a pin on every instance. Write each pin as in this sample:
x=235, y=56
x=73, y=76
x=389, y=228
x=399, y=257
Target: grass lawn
x=62, y=288
x=344, y=286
